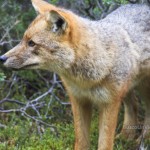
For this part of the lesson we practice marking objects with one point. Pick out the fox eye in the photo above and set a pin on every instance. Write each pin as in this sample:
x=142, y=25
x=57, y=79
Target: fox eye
x=31, y=43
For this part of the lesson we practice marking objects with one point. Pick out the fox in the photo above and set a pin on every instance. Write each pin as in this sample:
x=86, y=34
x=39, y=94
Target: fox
x=99, y=63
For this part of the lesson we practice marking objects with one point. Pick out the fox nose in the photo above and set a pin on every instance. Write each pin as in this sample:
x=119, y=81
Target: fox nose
x=3, y=59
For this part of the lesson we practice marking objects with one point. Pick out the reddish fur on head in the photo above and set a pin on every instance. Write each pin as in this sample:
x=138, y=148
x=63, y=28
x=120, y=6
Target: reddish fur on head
x=42, y=6
x=52, y=33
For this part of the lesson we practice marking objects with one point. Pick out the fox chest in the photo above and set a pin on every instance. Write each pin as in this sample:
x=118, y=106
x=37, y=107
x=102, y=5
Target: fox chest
x=95, y=94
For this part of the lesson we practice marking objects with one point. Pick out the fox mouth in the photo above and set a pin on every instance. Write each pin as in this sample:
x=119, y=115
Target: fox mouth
x=30, y=66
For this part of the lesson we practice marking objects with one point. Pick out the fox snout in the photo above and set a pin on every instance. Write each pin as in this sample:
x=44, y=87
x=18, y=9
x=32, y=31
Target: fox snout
x=3, y=59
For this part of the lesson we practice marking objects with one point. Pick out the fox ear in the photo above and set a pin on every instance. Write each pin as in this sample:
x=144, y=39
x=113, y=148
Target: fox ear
x=41, y=6
x=59, y=24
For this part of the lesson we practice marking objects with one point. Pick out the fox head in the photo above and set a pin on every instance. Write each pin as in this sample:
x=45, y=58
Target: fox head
x=47, y=43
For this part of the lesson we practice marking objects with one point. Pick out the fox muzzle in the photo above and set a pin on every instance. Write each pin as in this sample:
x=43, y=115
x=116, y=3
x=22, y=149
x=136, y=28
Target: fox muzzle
x=3, y=58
